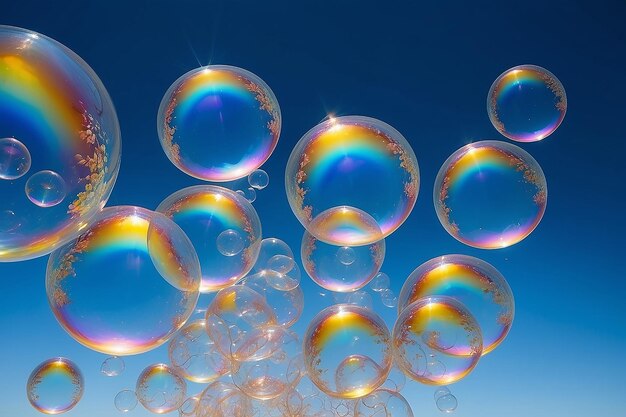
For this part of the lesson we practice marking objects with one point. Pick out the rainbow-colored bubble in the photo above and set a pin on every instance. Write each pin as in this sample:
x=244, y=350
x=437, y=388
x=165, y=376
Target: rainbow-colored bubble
x=352, y=161
x=114, y=292
x=219, y=123
x=59, y=144
x=55, y=386
x=161, y=389
x=526, y=103
x=490, y=194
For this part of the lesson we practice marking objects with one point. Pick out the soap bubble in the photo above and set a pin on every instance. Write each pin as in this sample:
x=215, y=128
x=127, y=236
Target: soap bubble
x=280, y=263
x=383, y=403
x=230, y=243
x=346, y=255
x=215, y=105
x=204, y=212
x=55, y=386
x=475, y=284
x=125, y=401
x=112, y=366
x=104, y=287
x=15, y=159
x=55, y=116
x=352, y=161
x=440, y=392
x=388, y=298
x=360, y=298
x=380, y=282
x=526, y=103
x=189, y=407
x=325, y=267
x=447, y=403
x=271, y=247
x=286, y=304
x=45, y=189
x=436, y=341
x=345, y=225
x=347, y=351
x=160, y=389
x=249, y=194
x=194, y=355
x=258, y=179
x=223, y=399
x=490, y=194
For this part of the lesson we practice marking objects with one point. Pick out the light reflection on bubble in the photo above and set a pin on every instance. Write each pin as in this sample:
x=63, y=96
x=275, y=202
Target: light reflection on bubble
x=55, y=386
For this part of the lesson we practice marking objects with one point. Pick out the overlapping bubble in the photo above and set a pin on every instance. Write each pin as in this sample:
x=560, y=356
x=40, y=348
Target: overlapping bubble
x=490, y=194
x=55, y=386
x=216, y=105
x=383, y=403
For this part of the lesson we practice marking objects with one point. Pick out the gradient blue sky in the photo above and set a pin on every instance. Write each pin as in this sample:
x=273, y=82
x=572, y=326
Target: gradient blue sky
x=424, y=68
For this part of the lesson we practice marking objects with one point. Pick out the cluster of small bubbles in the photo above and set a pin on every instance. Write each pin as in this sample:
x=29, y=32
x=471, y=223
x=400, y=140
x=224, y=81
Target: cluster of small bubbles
x=248, y=193
x=447, y=403
x=383, y=402
x=112, y=366
x=230, y=242
x=388, y=298
x=160, y=389
x=380, y=282
x=15, y=159
x=258, y=179
x=286, y=304
x=55, y=386
x=125, y=401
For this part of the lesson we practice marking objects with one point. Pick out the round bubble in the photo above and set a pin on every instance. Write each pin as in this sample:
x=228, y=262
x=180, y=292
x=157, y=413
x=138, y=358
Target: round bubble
x=490, y=194
x=360, y=298
x=194, y=355
x=347, y=351
x=112, y=366
x=475, y=284
x=380, y=282
x=286, y=304
x=189, y=407
x=223, y=399
x=249, y=194
x=526, y=103
x=216, y=105
x=383, y=402
x=106, y=291
x=396, y=380
x=160, y=389
x=440, y=392
x=271, y=247
x=352, y=161
x=326, y=264
x=55, y=386
x=436, y=341
x=258, y=179
x=58, y=109
x=447, y=403
x=15, y=159
x=204, y=212
x=45, y=189
x=125, y=401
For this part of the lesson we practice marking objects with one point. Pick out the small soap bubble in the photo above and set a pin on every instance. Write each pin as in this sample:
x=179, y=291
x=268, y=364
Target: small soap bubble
x=258, y=179
x=380, y=282
x=447, y=403
x=45, y=189
x=230, y=242
x=388, y=298
x=112, y=366
x=125, y=401
x=14, y=159
x=346, y=255
x=249, y=194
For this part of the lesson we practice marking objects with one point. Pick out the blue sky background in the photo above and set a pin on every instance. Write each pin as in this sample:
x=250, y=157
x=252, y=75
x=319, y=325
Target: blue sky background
x=425, y=68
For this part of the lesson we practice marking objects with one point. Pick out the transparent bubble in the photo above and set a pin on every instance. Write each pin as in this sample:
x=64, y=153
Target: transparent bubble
x=213, y=105
x=249, y=194
x=204, y=212
x=383, y=403
x=490, y=194
x=112, y=366
x=345, y=225
x=475, y=284
x=281, y=264
x=14, y=159
x=346, y=255
x=440, y=392
x=347, y=351
x=9, y=222
x=447, y=403
x=194, y=355
x=271, y=247
x=380, y=282
x=125, y=401
x=106, y=292
x=223, y=399
x=230, y=242
x=321, y=262
x=286, y=304
x=388, y=298
x=55, y=386
x=189, y=407
x=160, y=389
x=45, y=189
x=360, y=298
x=396, y=380
x=258, y=179
x=436, y=341
x=352, y=161
x=68, y=125
x=526, y=103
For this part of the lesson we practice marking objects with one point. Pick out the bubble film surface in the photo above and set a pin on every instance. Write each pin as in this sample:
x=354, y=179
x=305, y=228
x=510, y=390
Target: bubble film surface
x=55, y=106
x=383, y=403
x=55, y=386
x=490, y=194
x=106, y=292
x=160, y=389
x=526, y=103
x=204, y=212
x=352, y=161
x=213, y=105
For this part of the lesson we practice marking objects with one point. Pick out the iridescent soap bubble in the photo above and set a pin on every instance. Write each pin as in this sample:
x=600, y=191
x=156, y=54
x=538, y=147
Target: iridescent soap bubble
x=219, y=123
x=55, y=386
x=112, y=366
x=45, y=189
x=286, y=304
x=204, y=212
x=436, y=341
x=15, y=159
x=258, y=179
x=125, y=401
x=53, y=103
x=347, y=351
x=352, y=161
x=383, y=403
x=475, y=284
x=106, y=291
x=160, y=389
x=490, y=194
x=447, y=403
x=327, y=264
x=526, y=103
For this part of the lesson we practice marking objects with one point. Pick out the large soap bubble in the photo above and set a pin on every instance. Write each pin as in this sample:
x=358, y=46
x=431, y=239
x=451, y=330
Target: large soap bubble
x=211, y=216
x=347, y=351
x=55, y=116
x=526, y=103
x=115, y=293
x=436, y=341
x=357, y=162
x=490, y=194
x=160, y=389
x=475, y=284
x=55, y=386
x=219, y=123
